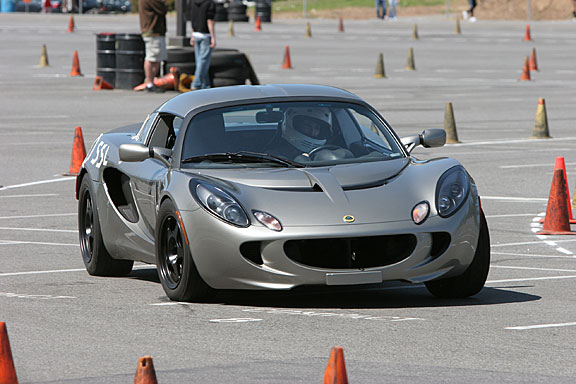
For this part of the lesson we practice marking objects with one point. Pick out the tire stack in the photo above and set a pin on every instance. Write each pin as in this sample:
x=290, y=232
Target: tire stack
x=221, y=10
x=227, y=66
x=237, y=11
x=264, y=10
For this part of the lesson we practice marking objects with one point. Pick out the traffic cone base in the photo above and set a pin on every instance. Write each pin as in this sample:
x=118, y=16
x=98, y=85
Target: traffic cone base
x=145, y=373
x=78, y=153
x=7, y=370
x=100, y=83
x=556, y=221
x=335, y=372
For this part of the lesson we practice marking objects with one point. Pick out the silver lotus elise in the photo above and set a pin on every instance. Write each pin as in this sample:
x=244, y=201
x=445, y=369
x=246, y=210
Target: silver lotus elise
x=274, y=187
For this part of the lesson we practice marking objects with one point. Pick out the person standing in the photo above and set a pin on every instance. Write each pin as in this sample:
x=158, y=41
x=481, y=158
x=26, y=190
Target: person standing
x=392, y=9
x=469, y=14
x=153, y=26
x=203, y=40
x=380, y=9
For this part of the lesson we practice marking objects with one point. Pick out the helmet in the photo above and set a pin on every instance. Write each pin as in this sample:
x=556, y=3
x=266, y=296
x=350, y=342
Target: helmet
x=306, y=128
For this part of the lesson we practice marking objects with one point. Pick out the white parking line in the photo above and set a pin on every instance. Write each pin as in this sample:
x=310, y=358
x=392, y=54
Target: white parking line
x=533, y=269
x=140, y=266
x=533, y=255
x=512, y=215
x=39, y=229
x=35, y=216
x=530, y=279
x=507, y=198
x=36, y=195
x=528, y=243
x=519, y=141
x=529, y=165
x=525, y=327
x=38, y=182
x=15, y=242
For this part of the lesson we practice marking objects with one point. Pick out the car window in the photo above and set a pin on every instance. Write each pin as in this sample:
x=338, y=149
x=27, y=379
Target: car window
x=164, y=133
x=145, y=128
x=307, y=133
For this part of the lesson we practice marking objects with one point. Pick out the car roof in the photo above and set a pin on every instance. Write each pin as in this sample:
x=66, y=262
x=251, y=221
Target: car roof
x=185, y=103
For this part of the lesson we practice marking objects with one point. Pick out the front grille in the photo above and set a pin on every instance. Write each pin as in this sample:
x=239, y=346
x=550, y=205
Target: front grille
x=353, y=252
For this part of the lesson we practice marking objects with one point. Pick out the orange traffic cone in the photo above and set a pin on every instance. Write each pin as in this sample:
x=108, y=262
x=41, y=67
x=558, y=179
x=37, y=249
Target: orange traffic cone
x=533, y=63
x=75, y=65
x=100, y=83
x=7, y=370
x=145, y=373
x=341, y=25
x=71, y=24
x=287, y=63
x=336, y=369
x=527, y=36
x=170, y=81
x=78, y=153
x=556, y=221
x=559, y=164
x=525, y=70
x=258, y=26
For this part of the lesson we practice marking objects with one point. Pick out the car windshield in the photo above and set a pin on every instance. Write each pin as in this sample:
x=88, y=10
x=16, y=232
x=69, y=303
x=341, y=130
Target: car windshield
x=288, y=134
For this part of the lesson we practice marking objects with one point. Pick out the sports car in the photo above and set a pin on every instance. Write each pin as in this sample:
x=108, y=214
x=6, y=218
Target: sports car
x=275, y=187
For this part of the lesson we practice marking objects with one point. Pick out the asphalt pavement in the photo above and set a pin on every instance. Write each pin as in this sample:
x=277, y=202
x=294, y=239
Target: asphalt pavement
x=68, y=327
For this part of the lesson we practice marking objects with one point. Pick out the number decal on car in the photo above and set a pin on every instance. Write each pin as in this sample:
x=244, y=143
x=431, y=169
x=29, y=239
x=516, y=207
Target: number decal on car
x=101, y=153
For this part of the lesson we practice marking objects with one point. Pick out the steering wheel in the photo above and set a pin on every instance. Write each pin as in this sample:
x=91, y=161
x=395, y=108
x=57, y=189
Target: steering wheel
x=326, y=146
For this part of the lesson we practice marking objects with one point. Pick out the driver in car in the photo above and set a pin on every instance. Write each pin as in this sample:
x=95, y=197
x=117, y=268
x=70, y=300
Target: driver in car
x=302, y=131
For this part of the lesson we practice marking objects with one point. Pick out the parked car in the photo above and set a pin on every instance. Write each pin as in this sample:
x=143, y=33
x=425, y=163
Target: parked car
x=275, y=187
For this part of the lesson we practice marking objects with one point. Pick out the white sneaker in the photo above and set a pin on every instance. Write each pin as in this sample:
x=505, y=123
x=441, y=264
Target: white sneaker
x=465, y=15
x=472, y=19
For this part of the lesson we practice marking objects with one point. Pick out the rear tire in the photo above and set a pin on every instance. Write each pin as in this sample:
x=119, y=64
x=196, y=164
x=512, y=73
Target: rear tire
x=473, y=279
x=96, y=258
x=176, y=269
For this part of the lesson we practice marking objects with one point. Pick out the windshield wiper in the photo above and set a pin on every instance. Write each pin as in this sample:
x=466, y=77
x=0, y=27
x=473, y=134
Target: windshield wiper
x=243, y=157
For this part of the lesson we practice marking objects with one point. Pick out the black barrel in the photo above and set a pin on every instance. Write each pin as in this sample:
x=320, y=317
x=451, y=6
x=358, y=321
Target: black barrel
x=264, y=10
x=237, y=11
x=130, y=53
x=221, y=11
x=106, y=57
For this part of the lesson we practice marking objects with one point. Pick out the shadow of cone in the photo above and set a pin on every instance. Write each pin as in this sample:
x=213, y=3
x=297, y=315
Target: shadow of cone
x=7, y=370
x=380, y=67
x=415, y=32
x=341, y=25
x=75, y=65
x=287, y=64
x=336, y=369
x=78, y=153
x=450, y=125
x=100, y=83
x=410, y=64
x=308, y=30
x=145, y=373
x=533, y=63
x=458, y=29
x=525, y=70
x=559, y=164
x=258, y=26
x=71, y=24
x=556, y=221
x=231, y=28
x=527, y=36
x=541, y=122
x=44, y=57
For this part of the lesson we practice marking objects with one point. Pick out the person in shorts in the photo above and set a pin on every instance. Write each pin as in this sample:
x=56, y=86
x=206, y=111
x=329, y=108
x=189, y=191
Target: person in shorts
x=153, y=27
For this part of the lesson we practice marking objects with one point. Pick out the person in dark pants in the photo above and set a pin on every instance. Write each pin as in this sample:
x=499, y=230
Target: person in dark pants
x=380, y=9
x=469, y=14
x=153, y=26
x=203, y=40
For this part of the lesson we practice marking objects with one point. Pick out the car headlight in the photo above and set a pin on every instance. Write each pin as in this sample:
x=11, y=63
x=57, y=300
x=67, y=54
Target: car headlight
x=219, y=203
x=451, y=191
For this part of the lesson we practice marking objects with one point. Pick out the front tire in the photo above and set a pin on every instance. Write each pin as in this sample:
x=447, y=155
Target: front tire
x=176, y=269
x=473, y=279
x=96, y=258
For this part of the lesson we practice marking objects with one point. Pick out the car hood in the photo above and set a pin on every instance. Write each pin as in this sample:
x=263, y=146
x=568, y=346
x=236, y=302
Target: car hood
x=370, y=192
